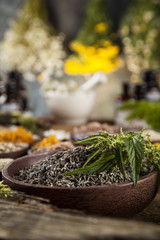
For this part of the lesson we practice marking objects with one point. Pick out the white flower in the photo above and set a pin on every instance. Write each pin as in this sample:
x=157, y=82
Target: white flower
x=33, y=51
x=148, y=16
x=153, y=33
x=136, y=29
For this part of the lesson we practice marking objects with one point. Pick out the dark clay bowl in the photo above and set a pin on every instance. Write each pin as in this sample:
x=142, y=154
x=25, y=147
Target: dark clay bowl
x=120, y=200
x=15, y=154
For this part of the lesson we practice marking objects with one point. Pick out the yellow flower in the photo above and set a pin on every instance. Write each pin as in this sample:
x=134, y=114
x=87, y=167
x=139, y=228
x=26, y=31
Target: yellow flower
x=157, y=144
x=93, y=58
x=40, y=77
x=107, y=44
x=100, y=27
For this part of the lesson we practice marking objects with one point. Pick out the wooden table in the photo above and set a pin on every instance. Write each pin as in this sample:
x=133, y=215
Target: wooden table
x=28, y=217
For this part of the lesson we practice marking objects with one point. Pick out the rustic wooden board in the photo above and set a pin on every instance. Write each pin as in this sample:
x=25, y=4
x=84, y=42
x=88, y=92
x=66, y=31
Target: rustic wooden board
x=27, y=217
x=151, y=213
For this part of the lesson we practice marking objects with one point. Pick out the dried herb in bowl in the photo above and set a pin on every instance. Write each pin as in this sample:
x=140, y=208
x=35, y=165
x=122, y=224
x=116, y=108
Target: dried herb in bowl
x=6, y=147
x=114, y=151
x=107, y=158
x=50, y=171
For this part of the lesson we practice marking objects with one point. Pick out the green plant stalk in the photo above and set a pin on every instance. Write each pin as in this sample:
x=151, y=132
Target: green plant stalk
x=89, y=159
x=121, y=164
x=116, y=150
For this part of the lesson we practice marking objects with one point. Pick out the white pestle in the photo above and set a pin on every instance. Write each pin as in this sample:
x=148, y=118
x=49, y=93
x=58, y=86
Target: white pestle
x=95, y=80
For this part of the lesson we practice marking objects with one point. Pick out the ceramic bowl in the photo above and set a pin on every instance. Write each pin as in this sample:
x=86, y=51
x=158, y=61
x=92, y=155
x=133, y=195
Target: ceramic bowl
x=16, y=154
x=71, y=108
x=118, y=200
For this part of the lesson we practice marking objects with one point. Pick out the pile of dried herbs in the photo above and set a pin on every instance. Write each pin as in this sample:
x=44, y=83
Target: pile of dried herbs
x=106, y=159
x=118, y=150
x=50, y=171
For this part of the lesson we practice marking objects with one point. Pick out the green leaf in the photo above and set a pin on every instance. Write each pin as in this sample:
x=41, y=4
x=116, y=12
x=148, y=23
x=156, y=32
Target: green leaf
x=89, y=159
x=91, y=139
x=144, y=110
x=120, y=157
x=135, y=149
x=104, y=163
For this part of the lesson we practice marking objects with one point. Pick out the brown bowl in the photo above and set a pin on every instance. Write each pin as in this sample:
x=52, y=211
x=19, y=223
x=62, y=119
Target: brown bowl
x=15, y=154
x=120, y=200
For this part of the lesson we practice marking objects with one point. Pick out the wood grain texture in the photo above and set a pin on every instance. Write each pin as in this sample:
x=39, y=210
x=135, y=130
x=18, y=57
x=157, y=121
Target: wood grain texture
x=24, y=217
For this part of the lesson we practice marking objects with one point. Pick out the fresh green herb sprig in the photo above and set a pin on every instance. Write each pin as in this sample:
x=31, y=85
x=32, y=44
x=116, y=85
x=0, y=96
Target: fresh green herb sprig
x=110, y=151
x=5, y=190
x=147, y=110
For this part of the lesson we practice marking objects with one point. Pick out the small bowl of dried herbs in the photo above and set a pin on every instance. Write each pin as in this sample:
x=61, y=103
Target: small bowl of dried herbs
x=15, y=142
x=13, y=149
x=111, y=175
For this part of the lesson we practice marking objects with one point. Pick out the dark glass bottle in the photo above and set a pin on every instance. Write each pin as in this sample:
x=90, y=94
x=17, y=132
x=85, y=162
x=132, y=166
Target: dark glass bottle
x=126, y=92
x=12, y=87
x=2, y=92
x=139, y=92
x=149, y=79
x=16, y=97
x=125, y=95
x=23, y=102
x=150, y=83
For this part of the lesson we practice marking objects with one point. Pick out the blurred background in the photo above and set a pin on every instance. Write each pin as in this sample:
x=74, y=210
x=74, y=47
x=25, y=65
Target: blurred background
x=80, y=60
x=70, y=69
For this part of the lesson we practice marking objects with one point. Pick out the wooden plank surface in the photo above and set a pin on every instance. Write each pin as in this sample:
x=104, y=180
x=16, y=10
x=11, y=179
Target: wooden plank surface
x=27, y=217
